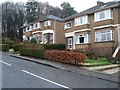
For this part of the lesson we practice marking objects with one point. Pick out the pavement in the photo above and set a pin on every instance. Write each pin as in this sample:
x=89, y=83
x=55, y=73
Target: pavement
x=107, y=72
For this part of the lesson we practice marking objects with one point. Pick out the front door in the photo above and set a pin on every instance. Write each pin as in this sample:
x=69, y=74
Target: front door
x=70, y=43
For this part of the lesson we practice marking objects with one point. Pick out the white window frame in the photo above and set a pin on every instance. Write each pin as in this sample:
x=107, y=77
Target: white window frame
x=27, y=28
x=81, y=20
x=86, y=38
x=66, y=25
x=107, y=15
x=105, y=35
x=30, y=27
x=38, y=25
x=34, y=26
x=47, y=23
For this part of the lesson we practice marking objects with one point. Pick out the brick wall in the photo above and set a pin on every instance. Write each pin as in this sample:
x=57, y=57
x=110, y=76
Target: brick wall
x=99, y=51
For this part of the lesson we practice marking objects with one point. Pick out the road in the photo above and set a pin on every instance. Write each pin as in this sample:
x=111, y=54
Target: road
x=18, y=73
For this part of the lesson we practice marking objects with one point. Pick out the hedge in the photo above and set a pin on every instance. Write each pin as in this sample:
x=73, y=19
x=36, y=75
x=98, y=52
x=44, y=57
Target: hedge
x=5, y=47
x=32, y=52
x=10, y=43
x=69, y=57
x=54, y=46
x=32, y=45
x=16, y=47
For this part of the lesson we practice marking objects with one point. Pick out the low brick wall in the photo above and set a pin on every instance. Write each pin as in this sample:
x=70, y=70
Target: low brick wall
x=103, y=51
x=98, y=51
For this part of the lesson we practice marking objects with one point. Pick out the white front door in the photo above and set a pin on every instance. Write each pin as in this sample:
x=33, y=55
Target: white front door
x=70, y=43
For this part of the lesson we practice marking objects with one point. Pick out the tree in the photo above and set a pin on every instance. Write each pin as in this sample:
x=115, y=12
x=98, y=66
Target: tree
x=12, y=20
x=67, y=9
x=32, y=11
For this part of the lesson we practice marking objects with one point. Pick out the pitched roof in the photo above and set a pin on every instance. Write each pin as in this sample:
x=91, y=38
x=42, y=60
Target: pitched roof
x=54, y=18
x=94, y=9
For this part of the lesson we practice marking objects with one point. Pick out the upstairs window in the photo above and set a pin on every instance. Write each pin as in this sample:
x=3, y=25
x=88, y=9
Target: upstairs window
x=34, y=26
x=68, y=25
x=27, y=28
x=31, y=27
x=38, y=24
x=24, y=29
x=81, y=20
x=47, y=23
x=104, y=36
x=107, y=14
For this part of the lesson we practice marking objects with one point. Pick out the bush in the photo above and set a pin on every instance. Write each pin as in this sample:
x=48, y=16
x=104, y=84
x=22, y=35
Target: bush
x=32, y=52
x=5, y=47
x=9, y=42
x=33, y=40
x=16, y=47
x=69, y=57
x=54, y=46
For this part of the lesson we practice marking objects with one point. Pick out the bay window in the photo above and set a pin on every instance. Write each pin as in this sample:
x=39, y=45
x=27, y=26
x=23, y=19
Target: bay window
x=82, y=38
x=104, y=36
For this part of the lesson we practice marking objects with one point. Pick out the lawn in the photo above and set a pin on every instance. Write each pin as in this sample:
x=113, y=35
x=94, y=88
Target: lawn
x=93, y=62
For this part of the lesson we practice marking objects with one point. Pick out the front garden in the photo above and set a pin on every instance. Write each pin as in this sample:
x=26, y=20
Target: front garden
x=54, y=52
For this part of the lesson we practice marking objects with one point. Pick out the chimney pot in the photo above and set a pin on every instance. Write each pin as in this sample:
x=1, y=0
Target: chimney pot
x=100, y=3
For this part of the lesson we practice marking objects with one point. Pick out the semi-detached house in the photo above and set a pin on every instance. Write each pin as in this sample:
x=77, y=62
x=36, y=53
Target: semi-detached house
x=48, y=29
x=96, y=29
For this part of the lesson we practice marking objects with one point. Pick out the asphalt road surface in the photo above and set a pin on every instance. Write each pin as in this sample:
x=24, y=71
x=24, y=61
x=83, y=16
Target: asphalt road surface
x=18, y=73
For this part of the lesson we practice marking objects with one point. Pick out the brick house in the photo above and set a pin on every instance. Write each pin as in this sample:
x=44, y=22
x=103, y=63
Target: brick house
x=48, y=29
x=95, y=29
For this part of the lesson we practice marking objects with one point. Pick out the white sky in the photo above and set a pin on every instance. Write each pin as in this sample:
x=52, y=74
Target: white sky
x=79, y=5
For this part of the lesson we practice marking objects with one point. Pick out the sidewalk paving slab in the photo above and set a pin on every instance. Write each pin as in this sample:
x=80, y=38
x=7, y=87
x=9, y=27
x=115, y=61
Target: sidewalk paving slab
x=71, y=68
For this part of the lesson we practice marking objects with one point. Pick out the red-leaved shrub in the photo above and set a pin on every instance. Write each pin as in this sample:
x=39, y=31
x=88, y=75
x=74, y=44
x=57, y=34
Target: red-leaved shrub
x=69, y=57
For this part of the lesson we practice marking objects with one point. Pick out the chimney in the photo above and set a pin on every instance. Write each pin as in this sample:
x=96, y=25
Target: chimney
x=100, y=3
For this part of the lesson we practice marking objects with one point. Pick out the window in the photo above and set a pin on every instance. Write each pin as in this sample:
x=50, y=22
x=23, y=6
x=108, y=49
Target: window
x=107, y=14
x=68, y=25
x=47, y=23
x=81, y=20
x=27, y=28
x=38, y=24
x=34, y=26
x=24, y=30
x=104, y=36
x=30, y=27
x=82, y=38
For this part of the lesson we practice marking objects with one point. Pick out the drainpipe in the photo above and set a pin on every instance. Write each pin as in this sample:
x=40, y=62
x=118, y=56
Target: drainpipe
x=119, y=36
x=54, y=32
x=74, y=41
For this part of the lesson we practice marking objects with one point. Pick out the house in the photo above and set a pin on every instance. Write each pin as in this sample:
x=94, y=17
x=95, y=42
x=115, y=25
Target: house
x=95, y=29
x=48, y=29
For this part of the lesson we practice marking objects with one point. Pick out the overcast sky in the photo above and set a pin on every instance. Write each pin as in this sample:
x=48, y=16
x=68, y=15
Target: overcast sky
x=79, y=5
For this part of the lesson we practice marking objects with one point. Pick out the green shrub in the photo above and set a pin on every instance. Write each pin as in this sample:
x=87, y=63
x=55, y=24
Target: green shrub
x=33, y=40
x=5, y=47
x=8, y=41
x=32, y=52
x=32, y=45
x=54, y=46
x=16, y=47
